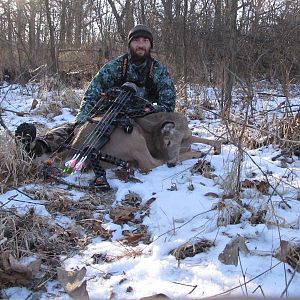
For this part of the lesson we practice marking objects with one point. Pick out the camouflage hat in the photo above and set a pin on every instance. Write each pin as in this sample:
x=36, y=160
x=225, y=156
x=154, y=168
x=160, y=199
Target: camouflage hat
x=140, y=31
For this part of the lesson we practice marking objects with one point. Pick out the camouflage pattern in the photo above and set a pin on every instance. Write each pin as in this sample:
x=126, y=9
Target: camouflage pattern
x=110, y=76
x=56, y=137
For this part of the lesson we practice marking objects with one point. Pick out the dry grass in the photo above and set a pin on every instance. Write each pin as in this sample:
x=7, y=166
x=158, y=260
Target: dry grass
x=289, y=252
x=190, y=249
x=52, y=105
x=288, y=130
x=59, y=200
x=230, y=183
x=31, y=235
x=284, y=132
x=53, y=96
x=229, y=212
x=15, y=165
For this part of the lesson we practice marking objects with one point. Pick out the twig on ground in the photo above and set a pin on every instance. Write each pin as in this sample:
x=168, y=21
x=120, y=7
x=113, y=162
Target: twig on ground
x=189, y=285
x=172, y=230
x=238, y=286
x=243, y=273
x=259, y=287
x=288, y=284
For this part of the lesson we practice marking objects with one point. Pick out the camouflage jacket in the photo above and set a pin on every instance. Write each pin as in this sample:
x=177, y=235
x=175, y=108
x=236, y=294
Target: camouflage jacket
x=110, y=76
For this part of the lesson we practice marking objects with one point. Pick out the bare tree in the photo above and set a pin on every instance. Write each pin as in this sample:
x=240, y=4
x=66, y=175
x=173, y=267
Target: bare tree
x=200, y=40
x=53, y=61
x=231, y=26
x=78, y=24
x=63, y=23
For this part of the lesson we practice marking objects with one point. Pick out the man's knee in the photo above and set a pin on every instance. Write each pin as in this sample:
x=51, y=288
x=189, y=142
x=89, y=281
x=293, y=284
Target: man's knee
x=59, y=136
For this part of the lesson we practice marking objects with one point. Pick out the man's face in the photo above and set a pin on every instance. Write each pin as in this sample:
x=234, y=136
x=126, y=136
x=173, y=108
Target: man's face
x=140, y=48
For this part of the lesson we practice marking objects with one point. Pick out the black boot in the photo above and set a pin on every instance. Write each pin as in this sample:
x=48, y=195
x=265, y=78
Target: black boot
x=100, y=182
x=25, y=134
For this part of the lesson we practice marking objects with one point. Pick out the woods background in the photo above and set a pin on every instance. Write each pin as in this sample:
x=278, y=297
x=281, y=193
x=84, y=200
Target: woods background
x=201, y=41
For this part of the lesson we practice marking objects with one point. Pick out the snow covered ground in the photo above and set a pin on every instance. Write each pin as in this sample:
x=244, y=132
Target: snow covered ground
x=176, y=207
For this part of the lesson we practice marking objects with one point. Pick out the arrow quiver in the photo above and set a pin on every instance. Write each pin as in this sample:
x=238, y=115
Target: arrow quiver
x=90, y=150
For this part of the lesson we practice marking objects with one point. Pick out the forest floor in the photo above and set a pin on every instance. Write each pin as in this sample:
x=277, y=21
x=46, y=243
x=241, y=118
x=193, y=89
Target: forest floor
x=226, y=224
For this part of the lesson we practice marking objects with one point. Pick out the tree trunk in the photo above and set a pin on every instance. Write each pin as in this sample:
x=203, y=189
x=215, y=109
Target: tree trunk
x=78, y=23
x=118, y=20
x=10, y=38
x=185, y=43
x=62, y=33
x=142, y=12
x=231, y=53
x=70, y=24
x=53, y=62
x=31, y=34
x=167, y=29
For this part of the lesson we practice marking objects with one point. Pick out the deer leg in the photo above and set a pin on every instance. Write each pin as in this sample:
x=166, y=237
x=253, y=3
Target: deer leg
x=215, y=144
x=190, y=155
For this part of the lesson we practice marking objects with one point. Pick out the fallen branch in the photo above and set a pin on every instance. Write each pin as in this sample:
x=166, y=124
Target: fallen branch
x=18, y=113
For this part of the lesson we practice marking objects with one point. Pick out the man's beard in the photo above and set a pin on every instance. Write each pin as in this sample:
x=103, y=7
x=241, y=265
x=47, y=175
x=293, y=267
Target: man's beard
x=139, y=59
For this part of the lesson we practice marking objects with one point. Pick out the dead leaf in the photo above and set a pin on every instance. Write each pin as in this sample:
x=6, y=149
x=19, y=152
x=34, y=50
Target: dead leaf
x=132, y=199
x=247, y=184
x=289, y=252
x=16, y=272
x=16, y=266
x=123, y=280
x=97, y=229
x=35, y=266
x=148, y=203
x=104, y=233
x=20, y=114
x=131, y=210
x=123, y=174
x=261, y=185
x=132, y=238
x=73, y=284
x=212, y=195
x=122, y=214
x=258, y=217
x=34, y=104
x=283, y=251
x=230, y=254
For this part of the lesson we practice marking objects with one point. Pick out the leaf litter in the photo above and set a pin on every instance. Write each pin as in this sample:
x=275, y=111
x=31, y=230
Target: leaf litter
x=37, y=249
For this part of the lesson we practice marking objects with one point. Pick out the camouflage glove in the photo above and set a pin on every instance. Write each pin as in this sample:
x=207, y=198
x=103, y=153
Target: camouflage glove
x=159, y=108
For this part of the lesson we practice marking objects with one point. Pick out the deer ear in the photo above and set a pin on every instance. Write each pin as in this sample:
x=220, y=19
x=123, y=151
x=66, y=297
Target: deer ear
x=167, y=128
